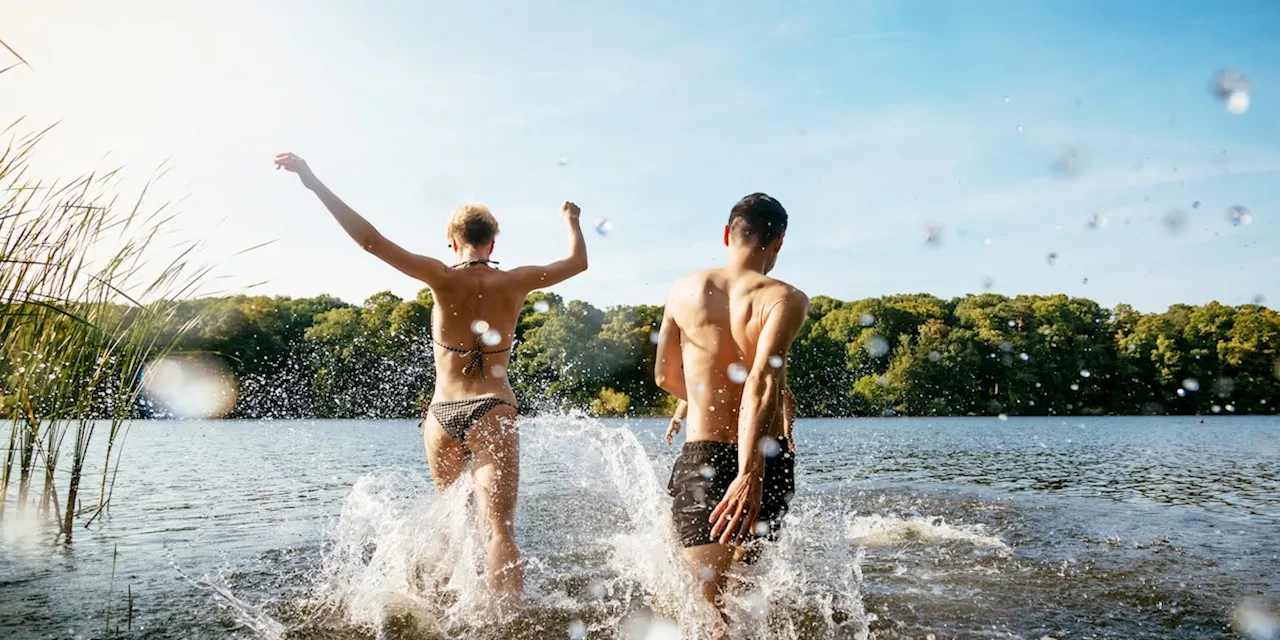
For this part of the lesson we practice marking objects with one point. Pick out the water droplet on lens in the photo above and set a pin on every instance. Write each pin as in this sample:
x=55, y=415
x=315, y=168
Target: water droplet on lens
x=577, y=630
x=770, y=447
x=1012, y=323
x=1216, y=409
x=604, y=227
x=1191, y=384
x=1175, y=220
x=1003, y=416
x=1085, y=373
x=738, y=373
x=1068, y=163
x=1195, y=205
x=1084, y=281
x=762, y=528
x=707, y=574
x=1024, y=356
x=986, y=242
x=541, y=306
x=491, y=338
x=987, y=282
x=1259, y=299
x=866, y=319
x=934, y=356
x=1231, y=87
x=498, y=371
x=1006, y=99
x=1075, y=387
x=932, y=234
x=1019, y=128
x=1182, y=393
x=479, y=326
x=1052, y=258
x=775, y=362
x=877, y=346
x=597, y=591
x=707, y=471
x=653, y=337
x=564, y=160
x=1096, y=221
x=1238, y=215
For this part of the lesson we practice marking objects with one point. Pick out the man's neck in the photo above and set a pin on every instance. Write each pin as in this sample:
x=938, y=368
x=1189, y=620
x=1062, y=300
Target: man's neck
x=742, y=258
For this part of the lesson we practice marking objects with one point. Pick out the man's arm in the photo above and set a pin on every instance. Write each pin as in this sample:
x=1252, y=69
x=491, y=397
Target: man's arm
x=428, y=270
x=668, y=368
x=735, y=516
x=538, y=277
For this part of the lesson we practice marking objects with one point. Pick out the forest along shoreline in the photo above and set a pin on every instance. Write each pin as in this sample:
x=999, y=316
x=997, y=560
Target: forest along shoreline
x=914, y=355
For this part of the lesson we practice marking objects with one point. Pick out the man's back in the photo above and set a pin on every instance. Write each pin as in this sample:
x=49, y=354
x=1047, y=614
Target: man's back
x=720, y=313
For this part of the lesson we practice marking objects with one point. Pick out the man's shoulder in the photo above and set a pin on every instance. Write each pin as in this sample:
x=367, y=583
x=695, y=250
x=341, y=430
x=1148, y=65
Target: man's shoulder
x=780, y=291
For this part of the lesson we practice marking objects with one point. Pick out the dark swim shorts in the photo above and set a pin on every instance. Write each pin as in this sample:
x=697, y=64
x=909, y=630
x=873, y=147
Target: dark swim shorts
x=701, y=476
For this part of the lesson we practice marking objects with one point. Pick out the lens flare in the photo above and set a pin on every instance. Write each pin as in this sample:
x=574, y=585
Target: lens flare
x=190, y=387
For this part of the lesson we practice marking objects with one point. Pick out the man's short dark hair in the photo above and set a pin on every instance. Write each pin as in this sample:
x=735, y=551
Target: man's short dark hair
x=758, y=218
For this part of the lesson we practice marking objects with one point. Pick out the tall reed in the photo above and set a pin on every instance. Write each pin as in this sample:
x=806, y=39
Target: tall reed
x=86, y=301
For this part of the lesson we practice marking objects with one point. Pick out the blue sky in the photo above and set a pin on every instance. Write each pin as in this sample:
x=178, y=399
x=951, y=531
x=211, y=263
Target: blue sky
x=869, y=121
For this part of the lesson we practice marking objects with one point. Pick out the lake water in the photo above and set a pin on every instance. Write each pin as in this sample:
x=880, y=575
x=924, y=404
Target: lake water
x=901, y=528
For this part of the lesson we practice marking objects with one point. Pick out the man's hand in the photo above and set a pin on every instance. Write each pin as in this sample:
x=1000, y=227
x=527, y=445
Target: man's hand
x=294, y=164
x=673, y=429
x=735, y=517
x=570, y=211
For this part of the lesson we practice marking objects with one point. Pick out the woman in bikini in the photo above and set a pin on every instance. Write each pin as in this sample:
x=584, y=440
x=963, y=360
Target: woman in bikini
x=472, y=415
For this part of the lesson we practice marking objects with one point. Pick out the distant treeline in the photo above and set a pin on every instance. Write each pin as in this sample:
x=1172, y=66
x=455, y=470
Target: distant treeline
x=905, y=355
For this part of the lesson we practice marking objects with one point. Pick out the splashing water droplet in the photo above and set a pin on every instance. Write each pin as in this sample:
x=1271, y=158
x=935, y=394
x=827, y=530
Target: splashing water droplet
x=1052, y=258
x=866, y=319
x=1216, y=409
x=986, y=242
x=653, y=337
x=1182, y=393
x=1191, y=384
x=541, y=306
x=1096, y=221
x=737, y=373
x=1085, y=373
x=934, y=356
x=1084, y=281
x=770, y=447
x=932, y=234
x=987, y=282
x=1006, y=99
x=491, y=338
x=775, y=362
x=604, y=227
x=1259, y=299
x=1025, y=356
x=1004, y=417
x=706, y=574
x=763, y=528
x=707, y=471
x=498, y=371
x=479, y=327
x=1238, y=215
x=597, y=590
x=877, y=346
x=1231, y=87
x=1195, y=205
x=1175, y=220
x=1075, y=387
x=1019, y=128
x=577, y=630
x=1012, y=323
x=564, y=160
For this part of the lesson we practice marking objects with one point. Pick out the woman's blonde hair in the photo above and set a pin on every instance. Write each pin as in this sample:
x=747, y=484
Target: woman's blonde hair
x=473, y=225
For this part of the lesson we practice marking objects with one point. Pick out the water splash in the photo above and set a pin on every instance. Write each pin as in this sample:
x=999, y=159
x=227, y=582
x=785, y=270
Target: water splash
x=603, y=227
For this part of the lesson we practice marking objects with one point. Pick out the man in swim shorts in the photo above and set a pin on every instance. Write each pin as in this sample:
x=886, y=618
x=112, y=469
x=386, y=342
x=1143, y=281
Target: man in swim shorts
x=472, y=415
x=723, y=349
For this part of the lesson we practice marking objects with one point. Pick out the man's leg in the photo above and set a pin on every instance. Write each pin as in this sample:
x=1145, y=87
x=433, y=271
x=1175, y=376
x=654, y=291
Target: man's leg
x=446, y=457
x=495, y=444
x=709, y=562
